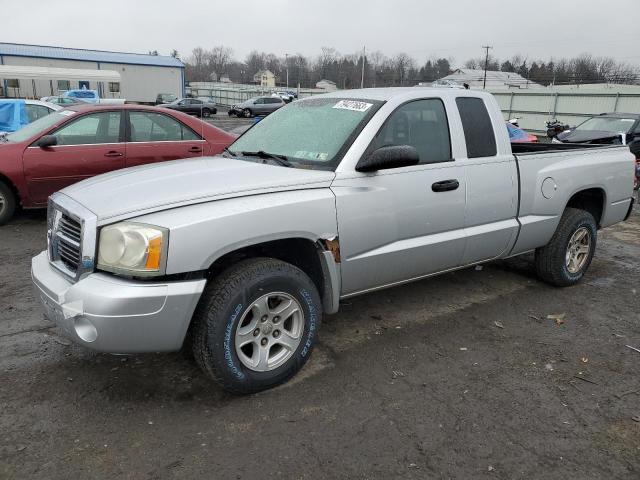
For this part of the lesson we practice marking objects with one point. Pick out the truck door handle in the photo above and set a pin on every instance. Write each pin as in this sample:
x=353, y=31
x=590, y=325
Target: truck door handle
x=445, y=186
x=195, y=149
x=113, y=153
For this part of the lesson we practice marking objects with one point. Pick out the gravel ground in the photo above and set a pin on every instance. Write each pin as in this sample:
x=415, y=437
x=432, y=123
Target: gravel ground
x=460, y=376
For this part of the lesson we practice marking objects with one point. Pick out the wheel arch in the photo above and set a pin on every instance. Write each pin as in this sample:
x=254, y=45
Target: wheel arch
x=592, y=200
x=319, y=259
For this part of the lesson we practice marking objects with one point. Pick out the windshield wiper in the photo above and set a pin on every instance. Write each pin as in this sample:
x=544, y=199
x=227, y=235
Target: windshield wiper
x=226, y=149
x=279, y=159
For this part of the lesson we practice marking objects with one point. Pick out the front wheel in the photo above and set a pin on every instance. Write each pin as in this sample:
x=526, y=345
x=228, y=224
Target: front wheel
x=7, y=203
x=247, y=113
x=256, y=324
x=565, y=259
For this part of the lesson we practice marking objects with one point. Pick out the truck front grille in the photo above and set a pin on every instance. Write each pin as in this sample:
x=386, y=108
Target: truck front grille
x=71, y=237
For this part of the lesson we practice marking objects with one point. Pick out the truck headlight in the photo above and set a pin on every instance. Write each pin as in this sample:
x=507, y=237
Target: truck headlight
x=133, y=249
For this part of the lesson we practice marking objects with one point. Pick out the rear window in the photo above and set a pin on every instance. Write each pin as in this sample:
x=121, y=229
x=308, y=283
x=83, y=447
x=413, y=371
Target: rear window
x=477, y=126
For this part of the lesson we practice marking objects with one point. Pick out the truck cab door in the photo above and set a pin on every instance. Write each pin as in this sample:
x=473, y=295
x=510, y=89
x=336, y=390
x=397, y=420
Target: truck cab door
x=492, y=183
x=404, y=223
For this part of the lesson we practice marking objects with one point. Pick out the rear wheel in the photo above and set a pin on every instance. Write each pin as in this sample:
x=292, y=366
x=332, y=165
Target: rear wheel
x=7, y=203
x=206, y=113
x=567, y=256
x=256, y=324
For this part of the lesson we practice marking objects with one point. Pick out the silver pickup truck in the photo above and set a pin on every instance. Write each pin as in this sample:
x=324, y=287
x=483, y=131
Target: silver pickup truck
x=237, y=257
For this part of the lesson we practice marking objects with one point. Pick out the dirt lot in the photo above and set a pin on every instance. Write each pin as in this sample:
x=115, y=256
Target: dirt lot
x=461, y=376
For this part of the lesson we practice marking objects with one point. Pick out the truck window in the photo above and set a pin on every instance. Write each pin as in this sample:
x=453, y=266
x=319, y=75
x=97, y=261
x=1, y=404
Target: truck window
x=477, y=126
x=421, y=124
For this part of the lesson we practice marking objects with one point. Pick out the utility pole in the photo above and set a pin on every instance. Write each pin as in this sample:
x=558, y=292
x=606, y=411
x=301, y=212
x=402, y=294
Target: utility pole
x=286, y=64
x=364, y=59
x=486, y=64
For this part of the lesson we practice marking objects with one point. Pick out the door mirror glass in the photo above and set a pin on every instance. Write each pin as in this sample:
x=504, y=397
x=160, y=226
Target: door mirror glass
x=47, y=141
x=394, y=156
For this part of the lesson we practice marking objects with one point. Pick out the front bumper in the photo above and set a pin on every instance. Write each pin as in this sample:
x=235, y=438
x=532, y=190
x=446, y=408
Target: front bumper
x=110, y=314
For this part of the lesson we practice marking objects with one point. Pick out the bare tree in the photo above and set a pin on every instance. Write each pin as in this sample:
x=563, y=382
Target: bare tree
x=402, y=63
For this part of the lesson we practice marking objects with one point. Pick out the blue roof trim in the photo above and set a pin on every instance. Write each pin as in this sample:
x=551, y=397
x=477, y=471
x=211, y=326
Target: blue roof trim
x=41, y=51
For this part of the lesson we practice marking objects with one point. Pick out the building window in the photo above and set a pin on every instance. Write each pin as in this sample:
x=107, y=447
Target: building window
x=114, y=87
x=13, y=83
x=64, y=85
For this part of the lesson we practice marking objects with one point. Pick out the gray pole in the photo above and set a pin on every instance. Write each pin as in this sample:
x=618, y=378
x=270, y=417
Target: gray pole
x=486, y=64
x=286, y=63
x=364, y=56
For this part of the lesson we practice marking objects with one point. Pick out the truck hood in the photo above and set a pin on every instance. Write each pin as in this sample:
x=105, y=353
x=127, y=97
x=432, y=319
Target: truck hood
x=150, y=188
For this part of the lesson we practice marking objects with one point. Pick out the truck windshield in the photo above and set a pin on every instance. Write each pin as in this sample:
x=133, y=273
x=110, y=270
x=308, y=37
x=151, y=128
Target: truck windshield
x=607, y=124
x=312, y=133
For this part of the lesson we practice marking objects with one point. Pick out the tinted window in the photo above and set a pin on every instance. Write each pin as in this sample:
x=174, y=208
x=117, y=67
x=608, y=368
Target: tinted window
x=196, y=102
x=103, y=127
x=478, y=129
x=421, y=124
x=155, y=127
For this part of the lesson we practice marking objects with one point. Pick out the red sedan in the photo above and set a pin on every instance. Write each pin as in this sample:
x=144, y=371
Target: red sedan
x=86, y=140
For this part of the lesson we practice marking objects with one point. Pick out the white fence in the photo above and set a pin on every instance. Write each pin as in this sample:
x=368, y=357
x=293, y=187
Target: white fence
x=230, y=94
x=535, y=108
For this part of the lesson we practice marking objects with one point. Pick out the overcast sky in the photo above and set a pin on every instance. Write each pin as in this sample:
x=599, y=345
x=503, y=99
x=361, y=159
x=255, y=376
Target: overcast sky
x=445, y=28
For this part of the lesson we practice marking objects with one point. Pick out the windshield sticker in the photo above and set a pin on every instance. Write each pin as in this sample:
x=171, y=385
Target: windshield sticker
x=67, y=113
x=353, y=105
x=311, y=155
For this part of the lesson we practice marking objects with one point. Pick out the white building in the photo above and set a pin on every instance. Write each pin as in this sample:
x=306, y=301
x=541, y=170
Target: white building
x=141, y=77
x=475, y=79
x=265, y=78
x=327, y=85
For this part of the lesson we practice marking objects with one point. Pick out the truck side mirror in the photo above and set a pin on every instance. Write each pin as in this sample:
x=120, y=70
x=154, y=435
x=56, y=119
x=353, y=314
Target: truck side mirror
x=383, y=158
x=47, y=141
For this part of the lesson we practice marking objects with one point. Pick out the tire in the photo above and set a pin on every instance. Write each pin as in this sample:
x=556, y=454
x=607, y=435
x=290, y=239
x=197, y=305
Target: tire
x=206, y=113
x=246, y=113
x=234, y=303
x=230, y=113
x=554, y=263
x=7, y=203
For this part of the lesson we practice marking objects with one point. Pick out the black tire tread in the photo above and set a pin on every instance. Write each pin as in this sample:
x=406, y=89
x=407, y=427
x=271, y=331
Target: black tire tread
x=212, y=304
x=551, y=256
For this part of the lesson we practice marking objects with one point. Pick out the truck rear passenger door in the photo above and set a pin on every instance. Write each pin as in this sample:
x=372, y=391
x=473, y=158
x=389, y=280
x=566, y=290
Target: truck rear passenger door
x=492, y=182
x=408, y=222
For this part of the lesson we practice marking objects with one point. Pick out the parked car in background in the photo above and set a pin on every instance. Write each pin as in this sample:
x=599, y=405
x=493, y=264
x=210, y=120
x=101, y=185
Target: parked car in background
x=257, y=106
x=165, y=98
x=16, y=113
x=328, y=198
x=86, y=140
x=606, y=128
x=192, y=106
x=92, y=96
x=63, y=101
x=518, y=135
x=286, y=96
